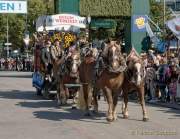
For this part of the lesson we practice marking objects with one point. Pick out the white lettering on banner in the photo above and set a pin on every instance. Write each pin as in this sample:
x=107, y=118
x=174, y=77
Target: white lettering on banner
x=13, y=6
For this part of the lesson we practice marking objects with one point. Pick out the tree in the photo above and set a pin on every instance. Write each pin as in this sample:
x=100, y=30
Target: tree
x=17, y=22
x=105, y=8
x=157, y=13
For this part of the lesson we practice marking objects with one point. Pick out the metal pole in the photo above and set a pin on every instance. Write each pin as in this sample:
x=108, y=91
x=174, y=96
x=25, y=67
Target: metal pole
x=7, y=37
x=175, y=5
x=164, y=14
x=26, y=32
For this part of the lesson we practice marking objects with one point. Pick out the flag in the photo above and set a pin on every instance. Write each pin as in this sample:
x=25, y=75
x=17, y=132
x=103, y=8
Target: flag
x=174, y=26
x=159, y=44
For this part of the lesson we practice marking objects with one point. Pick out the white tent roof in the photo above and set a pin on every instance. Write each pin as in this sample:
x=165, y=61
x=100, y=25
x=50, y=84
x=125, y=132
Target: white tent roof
x=60, y=22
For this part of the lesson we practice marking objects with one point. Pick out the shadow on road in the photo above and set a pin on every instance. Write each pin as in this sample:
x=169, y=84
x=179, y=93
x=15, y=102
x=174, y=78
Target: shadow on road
x=169, y=110
x=40, y=104
x=17, y=94
x=166, y=110
x=16, y=76
x=69, y=114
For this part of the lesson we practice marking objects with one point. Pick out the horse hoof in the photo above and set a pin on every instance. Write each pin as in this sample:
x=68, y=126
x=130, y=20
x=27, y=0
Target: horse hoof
x=145, y=119
x=110, y=119
x=125, y=116
x=115, y=118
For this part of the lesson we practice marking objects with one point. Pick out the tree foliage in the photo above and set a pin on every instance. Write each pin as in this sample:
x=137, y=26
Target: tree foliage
x=157, y=12
x=105, y=8
x=17, y=22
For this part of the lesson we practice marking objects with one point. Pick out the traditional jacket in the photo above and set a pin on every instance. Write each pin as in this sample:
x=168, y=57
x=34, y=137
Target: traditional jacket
x=56, y=52
x=45, y=55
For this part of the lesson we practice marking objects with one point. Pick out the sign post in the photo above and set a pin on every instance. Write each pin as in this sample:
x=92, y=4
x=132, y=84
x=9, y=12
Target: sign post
x=7, y=43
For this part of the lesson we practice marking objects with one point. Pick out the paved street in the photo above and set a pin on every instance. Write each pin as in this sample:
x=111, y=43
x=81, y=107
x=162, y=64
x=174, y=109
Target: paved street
x=25, y=116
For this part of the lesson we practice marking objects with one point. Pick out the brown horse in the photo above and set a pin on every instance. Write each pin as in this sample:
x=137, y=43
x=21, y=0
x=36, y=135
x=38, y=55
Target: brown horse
x=110, y=81
x=70, y=76
x=134, y=81
x=87, y=77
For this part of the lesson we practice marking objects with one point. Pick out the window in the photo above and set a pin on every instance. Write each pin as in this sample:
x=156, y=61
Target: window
x=171, y=5
x=178, y=6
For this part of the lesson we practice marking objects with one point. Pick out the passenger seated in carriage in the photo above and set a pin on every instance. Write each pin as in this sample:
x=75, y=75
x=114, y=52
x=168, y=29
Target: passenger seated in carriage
x=46, y=59
x=57, y=56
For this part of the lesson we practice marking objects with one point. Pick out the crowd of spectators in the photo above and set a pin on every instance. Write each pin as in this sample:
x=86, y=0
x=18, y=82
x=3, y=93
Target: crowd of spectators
x=16, y=64
x=162, y=82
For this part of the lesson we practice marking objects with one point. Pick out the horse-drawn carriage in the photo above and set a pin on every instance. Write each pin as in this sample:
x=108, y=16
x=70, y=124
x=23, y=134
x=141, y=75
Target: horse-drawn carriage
x=79, y=70
x=61, y=27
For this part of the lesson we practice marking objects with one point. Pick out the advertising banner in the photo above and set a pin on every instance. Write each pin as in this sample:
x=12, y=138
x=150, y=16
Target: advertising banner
x=60, y=22
x=66, y=19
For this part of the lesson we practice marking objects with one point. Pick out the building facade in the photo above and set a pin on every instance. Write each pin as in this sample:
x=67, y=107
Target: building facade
x=173, y=4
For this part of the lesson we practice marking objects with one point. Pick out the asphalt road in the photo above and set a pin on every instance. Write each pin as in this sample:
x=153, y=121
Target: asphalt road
x=23, y=115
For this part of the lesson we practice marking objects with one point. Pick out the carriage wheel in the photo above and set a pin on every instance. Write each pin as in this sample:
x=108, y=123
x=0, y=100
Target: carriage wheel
x=45, y=91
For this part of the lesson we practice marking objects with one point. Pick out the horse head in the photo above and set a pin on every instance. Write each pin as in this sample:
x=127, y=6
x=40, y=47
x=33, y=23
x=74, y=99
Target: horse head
x=113, y=56
x=73, y=62
x=136, y=67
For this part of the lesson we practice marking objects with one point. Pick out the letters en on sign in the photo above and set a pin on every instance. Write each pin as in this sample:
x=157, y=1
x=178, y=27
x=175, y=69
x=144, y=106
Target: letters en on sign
x=13, y=6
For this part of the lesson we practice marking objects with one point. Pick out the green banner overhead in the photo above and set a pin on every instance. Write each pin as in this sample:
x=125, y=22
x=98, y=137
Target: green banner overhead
x=103, y=23
x=140, y=8
x=67, y=6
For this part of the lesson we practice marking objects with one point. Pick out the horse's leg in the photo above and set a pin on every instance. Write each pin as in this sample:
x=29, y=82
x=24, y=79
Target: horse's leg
x=108, y=94
x=86, y=98
x=58, y=94
x=123, y=107
x=63, y=98
x=66, y=94
x=125, y=110
x=95, y=100
x=142, y=102
x=115, y=101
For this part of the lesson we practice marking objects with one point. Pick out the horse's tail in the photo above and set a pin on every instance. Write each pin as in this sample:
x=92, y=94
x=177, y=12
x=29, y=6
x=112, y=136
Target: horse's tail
x=81, y=101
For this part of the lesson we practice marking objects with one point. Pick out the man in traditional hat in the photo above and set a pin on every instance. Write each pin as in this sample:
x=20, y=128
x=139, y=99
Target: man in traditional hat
x=57, y=55
x=46, y=58
x=56, y=50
